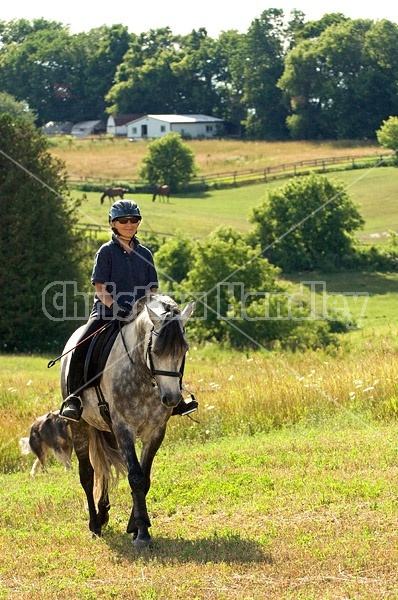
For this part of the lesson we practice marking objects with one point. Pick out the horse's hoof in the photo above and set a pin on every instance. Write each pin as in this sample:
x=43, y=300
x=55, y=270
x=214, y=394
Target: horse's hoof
x=142, y=542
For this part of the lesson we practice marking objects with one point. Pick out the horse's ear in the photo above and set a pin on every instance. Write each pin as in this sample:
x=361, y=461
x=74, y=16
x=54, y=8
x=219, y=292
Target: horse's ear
x=156, y=319
x=187, y=312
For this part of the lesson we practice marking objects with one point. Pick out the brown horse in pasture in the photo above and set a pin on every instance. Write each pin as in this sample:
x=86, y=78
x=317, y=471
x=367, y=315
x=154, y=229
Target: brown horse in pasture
x=163, y=191
x=113, y=193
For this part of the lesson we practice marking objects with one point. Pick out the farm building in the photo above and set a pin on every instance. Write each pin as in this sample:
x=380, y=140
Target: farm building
x=57, y=127
x=117, y=124
x=84, y=128
x=155, y=126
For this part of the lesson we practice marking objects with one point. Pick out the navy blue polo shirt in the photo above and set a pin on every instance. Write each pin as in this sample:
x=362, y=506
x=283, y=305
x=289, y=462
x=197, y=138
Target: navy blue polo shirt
x=127, y=276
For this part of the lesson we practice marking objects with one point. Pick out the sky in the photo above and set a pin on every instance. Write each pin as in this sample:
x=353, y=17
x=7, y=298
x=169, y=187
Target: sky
x=183, y=15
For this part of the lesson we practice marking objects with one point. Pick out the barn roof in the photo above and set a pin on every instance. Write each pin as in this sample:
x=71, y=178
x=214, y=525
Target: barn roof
x=183, y=118
x=122, y=119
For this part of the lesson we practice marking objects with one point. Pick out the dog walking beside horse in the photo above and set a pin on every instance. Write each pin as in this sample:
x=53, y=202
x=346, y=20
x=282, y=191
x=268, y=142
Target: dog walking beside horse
x=50, y=432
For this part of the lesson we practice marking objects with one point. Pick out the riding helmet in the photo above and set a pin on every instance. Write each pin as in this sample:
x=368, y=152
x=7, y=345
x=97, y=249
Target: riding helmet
x=124, y=208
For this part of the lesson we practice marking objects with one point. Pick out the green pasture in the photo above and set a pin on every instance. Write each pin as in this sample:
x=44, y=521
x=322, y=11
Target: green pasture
x=374, y=190
x=284, y=486
x=299, y=513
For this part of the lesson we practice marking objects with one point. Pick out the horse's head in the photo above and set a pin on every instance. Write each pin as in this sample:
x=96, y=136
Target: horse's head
x=167, y=346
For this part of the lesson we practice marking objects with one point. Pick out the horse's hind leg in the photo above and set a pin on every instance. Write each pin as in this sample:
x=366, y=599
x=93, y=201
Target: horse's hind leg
x=86, y=474
x=103, y=508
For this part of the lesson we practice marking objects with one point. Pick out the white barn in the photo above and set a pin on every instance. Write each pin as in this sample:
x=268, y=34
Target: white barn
x=117, y=124
x=156, y=126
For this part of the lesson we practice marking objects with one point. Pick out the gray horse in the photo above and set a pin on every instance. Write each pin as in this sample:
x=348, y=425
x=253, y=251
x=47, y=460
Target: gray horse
x=141, y=384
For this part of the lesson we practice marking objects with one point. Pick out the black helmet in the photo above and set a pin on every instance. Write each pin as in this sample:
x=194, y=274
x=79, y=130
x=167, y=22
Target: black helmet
x=124, y=208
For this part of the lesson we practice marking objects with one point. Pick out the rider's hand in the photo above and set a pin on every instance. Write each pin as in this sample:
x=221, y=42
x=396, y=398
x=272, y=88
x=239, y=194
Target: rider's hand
x=121, y=311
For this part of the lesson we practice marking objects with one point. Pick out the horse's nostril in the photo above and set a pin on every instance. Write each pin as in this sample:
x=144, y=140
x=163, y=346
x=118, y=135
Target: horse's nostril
x=170, y=401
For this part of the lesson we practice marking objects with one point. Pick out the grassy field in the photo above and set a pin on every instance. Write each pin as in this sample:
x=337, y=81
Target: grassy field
x=373, y=190
x=286, y=486
x=295, y=514
x=114, y=160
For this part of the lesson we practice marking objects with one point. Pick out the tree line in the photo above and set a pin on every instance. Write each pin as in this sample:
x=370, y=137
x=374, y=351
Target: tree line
x=285, y=78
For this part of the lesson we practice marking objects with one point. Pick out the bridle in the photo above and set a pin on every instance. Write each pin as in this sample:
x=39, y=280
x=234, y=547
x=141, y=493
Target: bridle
x=153, y=371
x=159, y=371
x=148, y=355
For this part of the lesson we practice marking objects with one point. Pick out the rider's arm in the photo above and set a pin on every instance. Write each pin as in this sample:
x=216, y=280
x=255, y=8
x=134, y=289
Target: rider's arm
x=103, y=294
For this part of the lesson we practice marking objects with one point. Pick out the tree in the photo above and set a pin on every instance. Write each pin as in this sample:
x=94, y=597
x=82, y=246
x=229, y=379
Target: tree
x=61, y=76
x=42, y=256
x=174, y=259
x=18, y=110
x=225, y=268
x=342, y=82
x=169, y=161
x=307, y=224
x=229, y=75
x=263, y=68
x=387, y=135
x=241, y=302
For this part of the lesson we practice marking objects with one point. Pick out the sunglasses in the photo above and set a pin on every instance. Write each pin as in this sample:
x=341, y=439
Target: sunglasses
x=124, y=220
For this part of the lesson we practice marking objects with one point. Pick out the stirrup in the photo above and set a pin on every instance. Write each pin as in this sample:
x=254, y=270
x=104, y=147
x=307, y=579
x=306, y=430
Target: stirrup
x=185, y=408
x=71, y=408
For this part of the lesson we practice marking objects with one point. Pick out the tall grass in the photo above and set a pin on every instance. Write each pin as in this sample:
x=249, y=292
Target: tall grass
x=238, y=394
x=120, y=159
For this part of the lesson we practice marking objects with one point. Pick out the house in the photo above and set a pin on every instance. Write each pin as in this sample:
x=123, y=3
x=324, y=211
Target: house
x=191, y=126
x=85, y=128
x=117, y=124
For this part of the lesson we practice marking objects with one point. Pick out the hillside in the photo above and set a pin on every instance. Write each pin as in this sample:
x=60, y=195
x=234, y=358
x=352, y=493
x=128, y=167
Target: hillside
x=120, y=159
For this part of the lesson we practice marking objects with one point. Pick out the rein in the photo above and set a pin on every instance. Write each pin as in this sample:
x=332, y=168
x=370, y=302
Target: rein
x=153, y=371
x=55, y=360
x=150, y=360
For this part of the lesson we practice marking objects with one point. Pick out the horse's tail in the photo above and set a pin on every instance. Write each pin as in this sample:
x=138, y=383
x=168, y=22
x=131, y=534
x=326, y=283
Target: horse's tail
x=154, y=197
x=103, y=198
x=104, y=455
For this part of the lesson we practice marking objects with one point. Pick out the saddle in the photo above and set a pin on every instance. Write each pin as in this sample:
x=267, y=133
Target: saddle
x=98, y=352
x=94, y=364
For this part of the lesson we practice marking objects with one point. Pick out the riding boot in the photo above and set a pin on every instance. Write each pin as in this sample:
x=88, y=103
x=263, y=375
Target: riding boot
x=184, y=408
x=71, y=408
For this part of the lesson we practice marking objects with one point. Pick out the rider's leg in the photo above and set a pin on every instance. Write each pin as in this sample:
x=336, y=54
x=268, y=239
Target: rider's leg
x=72, y=408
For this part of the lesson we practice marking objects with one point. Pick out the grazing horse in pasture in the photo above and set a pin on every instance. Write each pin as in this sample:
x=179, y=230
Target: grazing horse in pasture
x=163, y=191
x=48, y=432
x=138, y=388
x=113, y=193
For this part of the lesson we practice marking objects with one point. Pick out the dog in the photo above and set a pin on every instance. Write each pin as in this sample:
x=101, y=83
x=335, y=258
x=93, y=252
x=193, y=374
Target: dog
x=49, y=432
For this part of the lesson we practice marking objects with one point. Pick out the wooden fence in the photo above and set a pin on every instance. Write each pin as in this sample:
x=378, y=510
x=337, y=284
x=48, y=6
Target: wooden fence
x=250, y=176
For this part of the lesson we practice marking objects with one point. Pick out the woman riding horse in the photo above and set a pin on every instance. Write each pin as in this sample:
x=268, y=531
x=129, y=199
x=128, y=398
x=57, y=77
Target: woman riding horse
x=140, y=386
x=123, y=272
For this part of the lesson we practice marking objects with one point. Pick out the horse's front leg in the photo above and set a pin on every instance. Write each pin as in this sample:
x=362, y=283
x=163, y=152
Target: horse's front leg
x=139, y=521
x=149, y=449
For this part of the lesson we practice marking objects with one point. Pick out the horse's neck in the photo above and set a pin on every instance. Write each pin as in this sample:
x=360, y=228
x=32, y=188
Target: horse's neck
x=136, y=339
